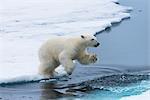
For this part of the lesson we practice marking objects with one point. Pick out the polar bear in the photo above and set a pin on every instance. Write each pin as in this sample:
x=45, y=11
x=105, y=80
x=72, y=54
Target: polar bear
x=62, y=50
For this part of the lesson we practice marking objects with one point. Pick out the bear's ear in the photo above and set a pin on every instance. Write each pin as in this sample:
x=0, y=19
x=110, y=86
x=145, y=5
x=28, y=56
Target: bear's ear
x=82, y=36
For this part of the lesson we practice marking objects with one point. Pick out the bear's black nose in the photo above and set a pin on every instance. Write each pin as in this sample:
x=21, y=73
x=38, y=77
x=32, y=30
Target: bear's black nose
x=98, y=44
x=96, y=59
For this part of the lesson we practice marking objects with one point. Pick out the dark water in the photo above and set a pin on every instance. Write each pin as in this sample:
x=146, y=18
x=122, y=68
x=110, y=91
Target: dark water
x=124, y=60
x=128, y=43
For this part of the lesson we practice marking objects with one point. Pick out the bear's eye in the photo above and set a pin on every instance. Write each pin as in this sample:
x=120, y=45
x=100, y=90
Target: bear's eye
x=92, y=39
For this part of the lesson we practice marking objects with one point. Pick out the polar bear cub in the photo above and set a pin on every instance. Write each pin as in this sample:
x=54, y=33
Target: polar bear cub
x=62, y=50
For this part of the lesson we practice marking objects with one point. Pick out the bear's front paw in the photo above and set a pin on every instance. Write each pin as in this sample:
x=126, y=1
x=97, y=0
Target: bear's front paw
x=93, y=58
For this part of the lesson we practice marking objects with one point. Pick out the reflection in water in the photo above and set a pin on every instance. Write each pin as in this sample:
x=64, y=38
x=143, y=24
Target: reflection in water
x=48, y=92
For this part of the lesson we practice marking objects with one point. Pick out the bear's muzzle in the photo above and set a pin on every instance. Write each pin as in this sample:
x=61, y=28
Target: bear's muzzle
x=97, y=45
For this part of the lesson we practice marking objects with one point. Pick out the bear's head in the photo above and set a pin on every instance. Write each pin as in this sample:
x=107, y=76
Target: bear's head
x=90, y=40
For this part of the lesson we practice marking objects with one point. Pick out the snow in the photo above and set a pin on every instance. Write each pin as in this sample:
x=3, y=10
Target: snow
x=26, y=24
x=143, y=96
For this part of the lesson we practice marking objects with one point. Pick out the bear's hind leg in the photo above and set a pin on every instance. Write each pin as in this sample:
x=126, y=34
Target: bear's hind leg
x=67, y=63
x=47, y=70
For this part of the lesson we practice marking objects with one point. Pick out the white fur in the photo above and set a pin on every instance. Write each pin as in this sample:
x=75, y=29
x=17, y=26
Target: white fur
x=63, y=50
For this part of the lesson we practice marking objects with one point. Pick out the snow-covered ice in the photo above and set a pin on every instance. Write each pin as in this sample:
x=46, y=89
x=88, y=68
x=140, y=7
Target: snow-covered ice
x=25, y=24
x=143, y=96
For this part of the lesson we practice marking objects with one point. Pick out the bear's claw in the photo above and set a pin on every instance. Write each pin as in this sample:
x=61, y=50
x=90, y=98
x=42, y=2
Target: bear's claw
x=93, y=58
